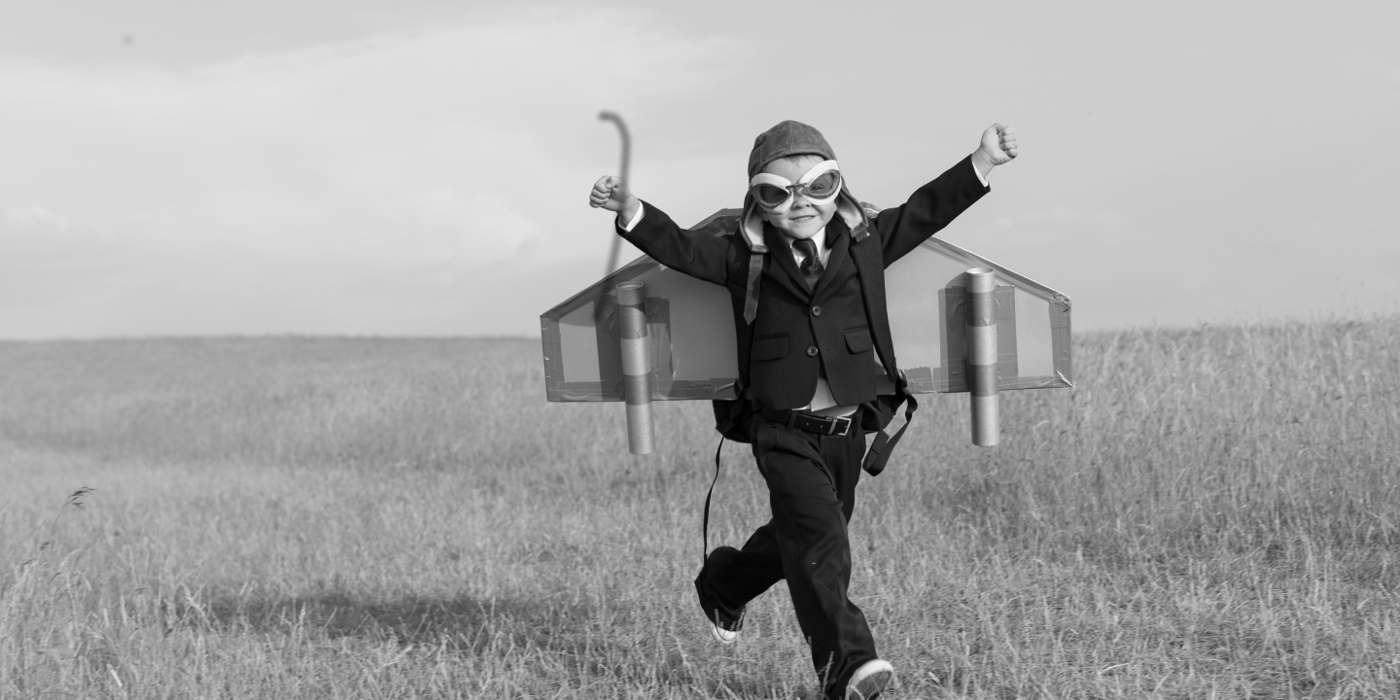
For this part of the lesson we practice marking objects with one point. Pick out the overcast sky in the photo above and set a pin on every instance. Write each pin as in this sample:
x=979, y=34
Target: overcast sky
x=416, y=167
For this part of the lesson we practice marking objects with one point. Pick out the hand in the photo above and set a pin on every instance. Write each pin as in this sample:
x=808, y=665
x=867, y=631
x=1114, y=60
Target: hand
x=611, y=193
x=998, y=146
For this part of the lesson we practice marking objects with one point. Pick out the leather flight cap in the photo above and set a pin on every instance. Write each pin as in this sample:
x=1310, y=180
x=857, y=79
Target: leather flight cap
x=788, y=138
x=811, y=422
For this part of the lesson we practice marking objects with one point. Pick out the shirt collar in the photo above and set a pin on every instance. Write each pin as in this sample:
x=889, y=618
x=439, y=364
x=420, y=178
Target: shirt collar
x=822, y=241
x=825, y=239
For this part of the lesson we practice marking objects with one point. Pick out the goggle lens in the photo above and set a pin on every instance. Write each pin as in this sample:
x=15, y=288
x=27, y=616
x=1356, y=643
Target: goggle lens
x=824, y=186
x=770, y=195
x=821, y=189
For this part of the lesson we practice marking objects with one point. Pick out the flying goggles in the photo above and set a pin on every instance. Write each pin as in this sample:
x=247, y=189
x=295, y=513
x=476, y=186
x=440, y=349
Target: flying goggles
x=820, y=185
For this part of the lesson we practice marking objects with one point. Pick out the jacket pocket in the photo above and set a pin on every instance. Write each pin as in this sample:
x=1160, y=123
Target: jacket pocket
x=770, y=348
x=858, y=340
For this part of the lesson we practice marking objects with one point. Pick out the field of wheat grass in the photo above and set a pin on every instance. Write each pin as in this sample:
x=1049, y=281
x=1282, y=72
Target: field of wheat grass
x=1211, y=513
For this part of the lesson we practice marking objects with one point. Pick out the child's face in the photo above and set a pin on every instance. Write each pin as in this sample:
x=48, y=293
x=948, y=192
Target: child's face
x=803, y=219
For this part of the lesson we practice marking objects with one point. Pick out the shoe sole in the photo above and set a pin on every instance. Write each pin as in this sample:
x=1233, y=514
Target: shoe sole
x=717, y=633
x=870, y=686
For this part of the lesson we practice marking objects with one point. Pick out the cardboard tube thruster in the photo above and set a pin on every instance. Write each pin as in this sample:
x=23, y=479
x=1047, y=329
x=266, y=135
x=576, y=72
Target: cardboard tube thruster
x=636, y=366
x=982, y=357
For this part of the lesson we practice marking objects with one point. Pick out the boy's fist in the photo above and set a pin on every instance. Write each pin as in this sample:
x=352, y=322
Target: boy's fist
x=610, y=193
x=998, y=144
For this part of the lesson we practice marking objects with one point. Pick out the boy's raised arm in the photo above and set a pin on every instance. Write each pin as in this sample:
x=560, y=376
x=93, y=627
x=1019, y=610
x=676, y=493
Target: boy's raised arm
x=698, y=254
x=937, y=203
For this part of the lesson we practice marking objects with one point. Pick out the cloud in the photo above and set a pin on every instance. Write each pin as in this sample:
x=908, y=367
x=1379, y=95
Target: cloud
x=467, y=147
x=32, y=220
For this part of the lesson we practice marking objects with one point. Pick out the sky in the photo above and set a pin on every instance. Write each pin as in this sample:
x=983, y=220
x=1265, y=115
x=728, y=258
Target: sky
x=365, y=167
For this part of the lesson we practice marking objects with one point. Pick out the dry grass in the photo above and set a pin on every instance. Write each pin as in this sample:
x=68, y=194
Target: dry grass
x=1211, y=513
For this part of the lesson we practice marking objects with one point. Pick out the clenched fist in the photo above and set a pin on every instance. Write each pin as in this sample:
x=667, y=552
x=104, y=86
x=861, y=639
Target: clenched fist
x=998, y=147
x=999, y=142
x=611, y=193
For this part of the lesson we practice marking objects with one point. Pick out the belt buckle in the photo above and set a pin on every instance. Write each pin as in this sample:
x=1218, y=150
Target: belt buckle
x=835, y=421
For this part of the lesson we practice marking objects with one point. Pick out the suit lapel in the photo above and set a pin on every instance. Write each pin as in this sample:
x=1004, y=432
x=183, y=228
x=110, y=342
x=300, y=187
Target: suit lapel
x=781, y=252
x=839, y=241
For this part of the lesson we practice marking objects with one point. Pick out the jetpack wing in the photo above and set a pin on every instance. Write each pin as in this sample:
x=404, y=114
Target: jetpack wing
x=688, y=339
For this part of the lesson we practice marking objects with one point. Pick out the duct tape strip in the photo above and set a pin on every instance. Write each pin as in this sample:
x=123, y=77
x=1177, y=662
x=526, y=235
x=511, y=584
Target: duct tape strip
x=606, y=331
x=553, y=347
x=637, y=388
x=1008, y=363
x=952, y=318
x=984, y=380
x=920, y=380
x=659, y=329
x=1060, y=340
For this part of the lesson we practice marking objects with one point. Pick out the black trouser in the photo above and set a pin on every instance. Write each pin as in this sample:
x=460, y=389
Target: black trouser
x=811, y=488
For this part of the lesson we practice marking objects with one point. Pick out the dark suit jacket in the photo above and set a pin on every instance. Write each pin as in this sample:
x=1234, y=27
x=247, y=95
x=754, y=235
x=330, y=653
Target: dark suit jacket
x=841, y=325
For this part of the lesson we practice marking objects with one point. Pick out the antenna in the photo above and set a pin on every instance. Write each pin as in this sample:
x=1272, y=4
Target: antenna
x=616, y=118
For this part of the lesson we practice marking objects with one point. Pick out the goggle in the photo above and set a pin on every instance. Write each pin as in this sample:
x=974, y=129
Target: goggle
x=820, y=185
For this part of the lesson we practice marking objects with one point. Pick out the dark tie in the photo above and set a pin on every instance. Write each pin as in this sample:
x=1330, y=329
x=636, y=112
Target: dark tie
x=811, y=264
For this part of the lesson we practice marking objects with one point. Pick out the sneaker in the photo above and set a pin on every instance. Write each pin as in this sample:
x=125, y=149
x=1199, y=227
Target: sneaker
x=726, y=632
x=724, y=629
x=868, y=680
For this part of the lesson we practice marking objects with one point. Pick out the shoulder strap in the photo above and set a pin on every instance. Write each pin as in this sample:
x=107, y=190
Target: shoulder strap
x=870, y=266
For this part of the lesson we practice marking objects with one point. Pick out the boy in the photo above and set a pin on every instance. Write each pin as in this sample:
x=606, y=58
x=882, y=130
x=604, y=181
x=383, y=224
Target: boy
x=805, y=271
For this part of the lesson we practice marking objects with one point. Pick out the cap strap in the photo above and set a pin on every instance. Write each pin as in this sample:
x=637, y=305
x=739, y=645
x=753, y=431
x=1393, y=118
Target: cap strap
x=751, y=287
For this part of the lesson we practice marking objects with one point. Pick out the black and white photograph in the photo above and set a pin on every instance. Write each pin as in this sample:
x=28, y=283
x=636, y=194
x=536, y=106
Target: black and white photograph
x=610, y=349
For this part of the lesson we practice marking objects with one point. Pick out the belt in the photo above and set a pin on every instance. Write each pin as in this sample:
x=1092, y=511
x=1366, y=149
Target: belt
x=811, y=422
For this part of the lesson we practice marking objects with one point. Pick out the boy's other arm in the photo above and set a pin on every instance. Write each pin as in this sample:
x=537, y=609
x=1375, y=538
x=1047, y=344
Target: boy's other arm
x=700, y=254
x=936, y=204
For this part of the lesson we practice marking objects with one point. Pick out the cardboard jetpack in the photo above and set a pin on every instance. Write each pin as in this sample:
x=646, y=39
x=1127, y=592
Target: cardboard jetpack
x=960, y=323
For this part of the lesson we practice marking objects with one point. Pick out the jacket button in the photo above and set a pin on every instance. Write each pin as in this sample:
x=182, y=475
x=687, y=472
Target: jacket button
x=812, y=351
x=816, y=310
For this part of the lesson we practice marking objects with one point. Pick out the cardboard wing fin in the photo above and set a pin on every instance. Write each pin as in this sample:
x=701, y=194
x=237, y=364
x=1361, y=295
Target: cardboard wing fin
x=929, y=305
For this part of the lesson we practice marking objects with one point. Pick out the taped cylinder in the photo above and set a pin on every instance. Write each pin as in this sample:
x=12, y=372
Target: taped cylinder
x=982, y=357
x=636, y=366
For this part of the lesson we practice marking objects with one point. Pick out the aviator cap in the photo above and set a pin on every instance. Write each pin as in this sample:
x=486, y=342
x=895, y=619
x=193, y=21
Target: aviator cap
x=788, y=138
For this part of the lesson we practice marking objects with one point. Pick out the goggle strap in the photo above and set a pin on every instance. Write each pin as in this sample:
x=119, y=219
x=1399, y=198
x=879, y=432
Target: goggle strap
x=815, y=172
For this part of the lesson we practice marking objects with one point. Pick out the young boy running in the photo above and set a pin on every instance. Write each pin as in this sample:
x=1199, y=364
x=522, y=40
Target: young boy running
x=805, y=271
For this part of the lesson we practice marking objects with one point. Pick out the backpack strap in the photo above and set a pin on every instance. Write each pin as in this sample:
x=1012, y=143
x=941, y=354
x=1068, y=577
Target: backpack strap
x=705, y=523
x=883, y=445
x=869, y=259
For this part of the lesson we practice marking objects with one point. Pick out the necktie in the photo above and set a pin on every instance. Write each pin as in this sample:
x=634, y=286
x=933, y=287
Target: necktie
x=811, y=266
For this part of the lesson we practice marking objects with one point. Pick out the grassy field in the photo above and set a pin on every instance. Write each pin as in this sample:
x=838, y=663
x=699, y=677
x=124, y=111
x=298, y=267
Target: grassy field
x=1211, y=513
